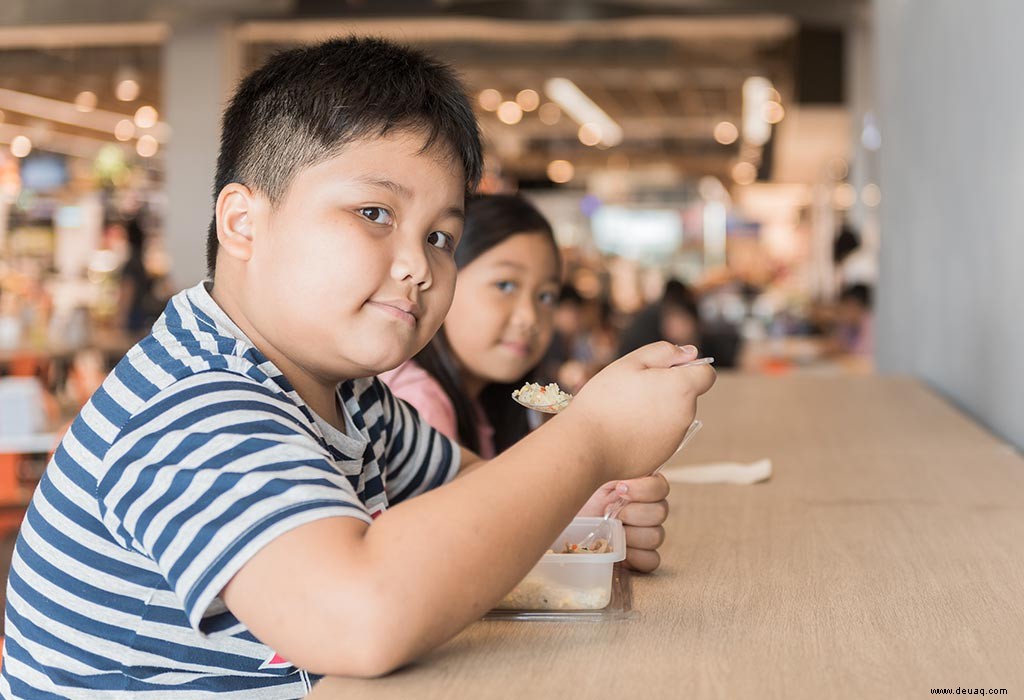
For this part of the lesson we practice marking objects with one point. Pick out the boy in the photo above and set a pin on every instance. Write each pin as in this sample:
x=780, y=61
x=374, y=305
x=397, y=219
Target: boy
x=205, y=526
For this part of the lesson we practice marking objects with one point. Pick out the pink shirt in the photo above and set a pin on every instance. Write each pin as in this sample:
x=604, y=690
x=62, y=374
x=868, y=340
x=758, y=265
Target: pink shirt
x=416, y=387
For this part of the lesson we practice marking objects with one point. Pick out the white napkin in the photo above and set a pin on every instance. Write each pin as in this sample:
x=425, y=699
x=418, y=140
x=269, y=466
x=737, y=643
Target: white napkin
x=720, y=473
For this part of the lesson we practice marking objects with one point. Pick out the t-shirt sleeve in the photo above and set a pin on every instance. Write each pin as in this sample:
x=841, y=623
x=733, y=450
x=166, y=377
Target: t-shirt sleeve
x=207, y=473
x=419, y=457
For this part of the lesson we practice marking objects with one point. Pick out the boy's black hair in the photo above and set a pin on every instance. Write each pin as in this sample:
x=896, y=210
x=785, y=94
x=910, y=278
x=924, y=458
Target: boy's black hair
x=490, y=220
x=303, y=105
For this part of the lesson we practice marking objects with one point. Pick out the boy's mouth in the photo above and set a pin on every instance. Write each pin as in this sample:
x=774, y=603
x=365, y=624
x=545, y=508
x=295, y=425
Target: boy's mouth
x=402, y=309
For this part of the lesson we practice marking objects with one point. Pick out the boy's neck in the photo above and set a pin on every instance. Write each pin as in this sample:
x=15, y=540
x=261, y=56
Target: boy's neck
x=319, y=395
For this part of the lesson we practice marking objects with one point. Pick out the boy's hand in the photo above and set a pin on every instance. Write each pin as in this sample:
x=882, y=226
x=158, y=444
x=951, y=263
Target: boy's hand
x=637, y=409
x=642, y=516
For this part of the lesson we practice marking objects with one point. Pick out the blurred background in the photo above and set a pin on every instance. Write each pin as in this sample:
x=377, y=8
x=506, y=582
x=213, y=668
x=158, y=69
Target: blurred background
x=798, y=186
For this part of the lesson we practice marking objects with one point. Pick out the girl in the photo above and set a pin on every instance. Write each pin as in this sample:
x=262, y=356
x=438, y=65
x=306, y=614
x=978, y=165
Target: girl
x=499, y=326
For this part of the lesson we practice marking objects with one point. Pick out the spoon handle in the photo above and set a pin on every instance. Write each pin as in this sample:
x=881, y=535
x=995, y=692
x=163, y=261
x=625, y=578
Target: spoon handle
x=613, y=509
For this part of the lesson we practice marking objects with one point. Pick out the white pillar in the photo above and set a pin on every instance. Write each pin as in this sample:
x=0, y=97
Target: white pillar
x=952, y=173
x=201, y=66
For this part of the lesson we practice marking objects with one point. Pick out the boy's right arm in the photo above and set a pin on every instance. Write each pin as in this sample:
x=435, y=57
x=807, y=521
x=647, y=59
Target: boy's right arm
x=338, y=597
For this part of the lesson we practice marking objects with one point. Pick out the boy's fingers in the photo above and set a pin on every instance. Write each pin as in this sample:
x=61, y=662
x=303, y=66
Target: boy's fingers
x=644, y=514
x=663, y=354
x=644, y=537
x=706, y=377
x=643, y=560
x=646, y=489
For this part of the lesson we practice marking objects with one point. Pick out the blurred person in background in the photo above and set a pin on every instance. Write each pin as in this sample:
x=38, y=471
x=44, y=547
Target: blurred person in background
x=602, y=333
x=578, y=347
x=854, y=331
x=139, y=305
x=674, y=317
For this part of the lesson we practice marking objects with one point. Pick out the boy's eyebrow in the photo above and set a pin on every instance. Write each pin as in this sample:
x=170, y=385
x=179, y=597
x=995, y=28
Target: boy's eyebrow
x=400, y=190
x=396, y=188
x=456, y=213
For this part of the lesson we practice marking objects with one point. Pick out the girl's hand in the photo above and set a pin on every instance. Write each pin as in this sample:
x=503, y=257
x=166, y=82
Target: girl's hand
x=642, y=516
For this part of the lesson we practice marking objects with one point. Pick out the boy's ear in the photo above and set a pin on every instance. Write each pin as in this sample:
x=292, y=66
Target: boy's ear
x=237, y=208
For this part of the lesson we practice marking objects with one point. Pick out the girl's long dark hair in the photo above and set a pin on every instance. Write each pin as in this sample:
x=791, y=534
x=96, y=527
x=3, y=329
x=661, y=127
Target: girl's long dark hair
x=490, y=220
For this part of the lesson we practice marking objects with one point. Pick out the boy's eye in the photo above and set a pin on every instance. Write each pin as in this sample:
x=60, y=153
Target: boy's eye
x=378, y=215
x=506, y=286
x=442, y=240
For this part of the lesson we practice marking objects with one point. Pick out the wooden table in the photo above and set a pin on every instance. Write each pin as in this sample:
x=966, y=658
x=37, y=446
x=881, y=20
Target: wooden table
x=884, y=558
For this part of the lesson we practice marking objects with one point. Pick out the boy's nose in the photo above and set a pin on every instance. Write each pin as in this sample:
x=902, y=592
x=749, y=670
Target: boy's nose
x=409, y=263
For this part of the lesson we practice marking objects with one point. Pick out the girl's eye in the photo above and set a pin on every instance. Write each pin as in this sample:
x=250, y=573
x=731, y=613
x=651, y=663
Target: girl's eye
x=548, y=298
x=378, y=215
x=442, y=240
x=506, y=286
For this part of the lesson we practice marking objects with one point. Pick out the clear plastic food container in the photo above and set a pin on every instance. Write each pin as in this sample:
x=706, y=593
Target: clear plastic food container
x=570, y=581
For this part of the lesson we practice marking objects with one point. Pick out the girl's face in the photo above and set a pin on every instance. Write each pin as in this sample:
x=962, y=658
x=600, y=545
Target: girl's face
x=502, y=316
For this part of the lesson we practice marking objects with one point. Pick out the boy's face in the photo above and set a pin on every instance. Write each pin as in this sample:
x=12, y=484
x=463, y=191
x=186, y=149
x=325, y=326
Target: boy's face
x=353, y=272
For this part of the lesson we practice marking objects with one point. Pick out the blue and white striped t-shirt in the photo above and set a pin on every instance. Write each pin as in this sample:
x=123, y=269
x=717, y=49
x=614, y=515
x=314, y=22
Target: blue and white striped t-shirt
x=194, y=454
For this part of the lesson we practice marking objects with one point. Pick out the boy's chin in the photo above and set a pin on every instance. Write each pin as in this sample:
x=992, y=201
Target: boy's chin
x=373, y=366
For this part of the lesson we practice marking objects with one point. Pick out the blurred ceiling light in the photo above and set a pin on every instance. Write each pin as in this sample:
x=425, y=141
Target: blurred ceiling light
x=85, y=101
x=67, y=113
x=127, y=91
x=756, y=130
x=582, y=109
x=126, y=84
x=146, y=146
x=489, y=99
x=773, y=112
x=510, y=113
x=844, y=196
x=59, y=142
x=726, y=133
x=589, y=134
x=21, y=146
x=871, y=195
x=528, y=99
x=744, y=173
x=145, y=117
x=549, y=113
x=124, y=130
x=560, y=171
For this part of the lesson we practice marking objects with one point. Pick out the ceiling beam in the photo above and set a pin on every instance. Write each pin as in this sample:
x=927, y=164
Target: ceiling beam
x=53, y=36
